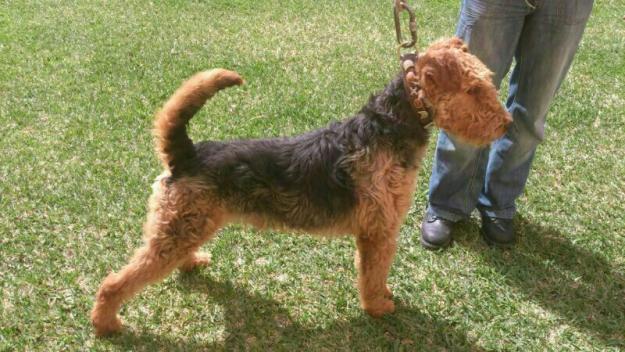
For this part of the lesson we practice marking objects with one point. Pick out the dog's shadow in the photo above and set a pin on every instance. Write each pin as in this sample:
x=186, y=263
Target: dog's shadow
x=256, y=323
x=563, y=277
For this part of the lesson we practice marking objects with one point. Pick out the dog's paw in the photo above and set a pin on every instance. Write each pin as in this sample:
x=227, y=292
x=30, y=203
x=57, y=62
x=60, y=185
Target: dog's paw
x=198, y=259
x=379, y=307
x=387, y=292
x=106, y=327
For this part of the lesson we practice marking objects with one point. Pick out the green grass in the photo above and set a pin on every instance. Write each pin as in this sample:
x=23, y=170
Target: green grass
x=79, y=82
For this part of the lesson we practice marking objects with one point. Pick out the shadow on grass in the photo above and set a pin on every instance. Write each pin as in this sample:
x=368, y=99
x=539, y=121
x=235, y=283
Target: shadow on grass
x=256, y=323
x=567, y=279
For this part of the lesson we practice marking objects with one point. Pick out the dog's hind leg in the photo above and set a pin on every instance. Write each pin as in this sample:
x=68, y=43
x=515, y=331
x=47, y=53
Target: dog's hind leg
x=170, y=243
x=373, y=259
x=149, y=264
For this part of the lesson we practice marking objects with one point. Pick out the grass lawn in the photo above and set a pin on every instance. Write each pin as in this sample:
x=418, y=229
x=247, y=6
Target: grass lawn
x=79, y=83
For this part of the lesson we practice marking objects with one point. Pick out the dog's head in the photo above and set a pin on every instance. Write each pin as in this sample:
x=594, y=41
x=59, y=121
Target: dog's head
x=459, y=87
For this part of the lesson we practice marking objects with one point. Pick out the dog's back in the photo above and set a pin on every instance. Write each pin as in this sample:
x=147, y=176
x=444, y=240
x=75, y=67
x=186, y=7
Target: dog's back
x=302, y=181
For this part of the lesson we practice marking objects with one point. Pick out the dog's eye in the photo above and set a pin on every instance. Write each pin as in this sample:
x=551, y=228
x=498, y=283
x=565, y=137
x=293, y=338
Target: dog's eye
x=474, y=90
x=429, y=75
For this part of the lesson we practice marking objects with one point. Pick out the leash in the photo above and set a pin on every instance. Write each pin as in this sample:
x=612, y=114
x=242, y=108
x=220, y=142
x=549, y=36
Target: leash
x=398, y=7
x=407, y=61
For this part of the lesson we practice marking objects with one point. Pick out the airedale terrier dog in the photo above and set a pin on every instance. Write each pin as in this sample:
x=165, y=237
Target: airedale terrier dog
x=356, y=176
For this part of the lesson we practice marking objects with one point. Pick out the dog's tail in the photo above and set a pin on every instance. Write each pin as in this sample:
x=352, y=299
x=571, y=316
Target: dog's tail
x=173, y=144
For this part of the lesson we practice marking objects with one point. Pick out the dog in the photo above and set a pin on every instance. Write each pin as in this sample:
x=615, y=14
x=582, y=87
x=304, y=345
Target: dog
x=355, y=176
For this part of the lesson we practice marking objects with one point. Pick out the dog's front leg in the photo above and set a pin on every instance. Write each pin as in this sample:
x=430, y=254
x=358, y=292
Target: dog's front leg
x=374, y=257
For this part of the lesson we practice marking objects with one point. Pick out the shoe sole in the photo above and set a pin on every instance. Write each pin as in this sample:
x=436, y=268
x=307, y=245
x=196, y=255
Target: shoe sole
x=432, y=247
x=496, y=244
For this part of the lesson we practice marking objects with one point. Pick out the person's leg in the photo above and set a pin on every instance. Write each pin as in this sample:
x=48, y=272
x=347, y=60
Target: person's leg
x=491, y=29
x=549, y=40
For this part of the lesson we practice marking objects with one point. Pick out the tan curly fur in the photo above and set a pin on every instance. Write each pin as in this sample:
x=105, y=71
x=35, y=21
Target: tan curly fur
x=460, y=86
x=356, y=177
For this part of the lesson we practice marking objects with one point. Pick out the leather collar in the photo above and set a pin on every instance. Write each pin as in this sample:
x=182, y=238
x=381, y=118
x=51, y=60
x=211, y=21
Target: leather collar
x=416, y=96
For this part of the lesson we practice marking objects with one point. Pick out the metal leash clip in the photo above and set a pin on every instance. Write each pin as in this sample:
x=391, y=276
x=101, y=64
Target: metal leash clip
x=408, y=61
x=398, y=7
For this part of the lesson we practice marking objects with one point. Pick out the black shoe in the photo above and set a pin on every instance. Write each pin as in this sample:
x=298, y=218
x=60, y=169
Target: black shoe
x=435, y=232
x=497, y=231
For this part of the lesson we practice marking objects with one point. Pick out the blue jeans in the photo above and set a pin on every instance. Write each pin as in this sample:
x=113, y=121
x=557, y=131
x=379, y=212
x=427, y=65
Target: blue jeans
x=542, y=36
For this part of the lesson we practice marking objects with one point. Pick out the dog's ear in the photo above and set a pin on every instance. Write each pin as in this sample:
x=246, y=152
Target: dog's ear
x=441, y=72
x=475, y=89
x=457, y=43
x=429, y=78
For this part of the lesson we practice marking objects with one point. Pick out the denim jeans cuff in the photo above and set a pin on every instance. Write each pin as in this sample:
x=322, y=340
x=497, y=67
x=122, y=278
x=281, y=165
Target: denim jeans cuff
x=441, y=213
x=499, y=213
